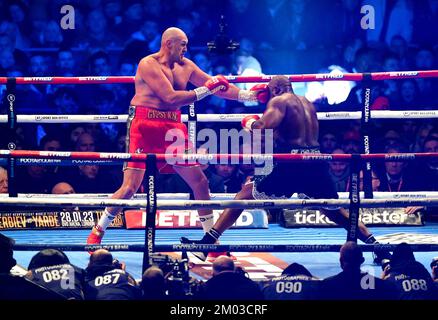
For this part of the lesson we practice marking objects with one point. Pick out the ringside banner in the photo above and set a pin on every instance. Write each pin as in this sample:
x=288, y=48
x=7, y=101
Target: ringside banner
x=184, y=219
x=68, y=219
x=369, y=216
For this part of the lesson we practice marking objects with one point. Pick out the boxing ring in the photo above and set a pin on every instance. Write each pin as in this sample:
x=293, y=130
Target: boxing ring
x=135, y=247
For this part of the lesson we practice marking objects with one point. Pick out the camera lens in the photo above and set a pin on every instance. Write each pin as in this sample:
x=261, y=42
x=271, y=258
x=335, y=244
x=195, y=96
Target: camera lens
x=434, y=262
x=385, y=262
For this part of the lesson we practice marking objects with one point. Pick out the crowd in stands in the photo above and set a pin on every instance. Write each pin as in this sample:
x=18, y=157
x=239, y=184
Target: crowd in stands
x=50, y=275
x=111, y=36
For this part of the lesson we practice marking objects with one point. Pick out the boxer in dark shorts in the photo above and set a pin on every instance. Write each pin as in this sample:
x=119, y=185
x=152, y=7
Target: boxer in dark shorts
x=295, y=127
x=287, y=179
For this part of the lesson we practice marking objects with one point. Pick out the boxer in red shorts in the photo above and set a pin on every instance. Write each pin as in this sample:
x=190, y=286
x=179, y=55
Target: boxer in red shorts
x=160, y=92
x=147, y=129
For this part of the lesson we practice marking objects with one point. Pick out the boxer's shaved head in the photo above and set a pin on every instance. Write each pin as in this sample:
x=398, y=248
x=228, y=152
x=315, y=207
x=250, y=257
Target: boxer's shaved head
x=174, y=45
x=101, y=257
x=172, y=34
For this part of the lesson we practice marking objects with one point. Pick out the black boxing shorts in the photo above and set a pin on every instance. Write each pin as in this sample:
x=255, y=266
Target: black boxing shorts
x=309, y=179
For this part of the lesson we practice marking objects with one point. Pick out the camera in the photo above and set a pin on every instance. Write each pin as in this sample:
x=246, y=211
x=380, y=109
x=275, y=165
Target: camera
x=385, y=263
x=178, y=282
x=180, y=270
x=117, y=264
x=222, y=44
x=162, y=261
x=434, y=262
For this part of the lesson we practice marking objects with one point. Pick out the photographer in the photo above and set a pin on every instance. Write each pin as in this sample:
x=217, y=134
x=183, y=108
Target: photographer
x=434, y=269
x=153, y=284
x=106, y=279
x=179, y=283
x=411, y=278
x=229, y=283
x=15, y=287
x=295, y=283
x=352, y=283
x=51, y=269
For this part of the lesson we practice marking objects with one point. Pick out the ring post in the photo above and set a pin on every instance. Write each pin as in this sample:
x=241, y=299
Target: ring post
x=191, y=126
x=151, y=210
x=12, y=134
x=354, y=198
x=366, y=129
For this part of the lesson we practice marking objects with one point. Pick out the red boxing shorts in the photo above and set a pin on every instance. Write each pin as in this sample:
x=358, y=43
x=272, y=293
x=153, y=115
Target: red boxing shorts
x=148, y=130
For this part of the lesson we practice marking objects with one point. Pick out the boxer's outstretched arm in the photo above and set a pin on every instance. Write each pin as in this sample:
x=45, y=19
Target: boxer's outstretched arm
x=199, y=77
x=151, y=73
x=273, y=115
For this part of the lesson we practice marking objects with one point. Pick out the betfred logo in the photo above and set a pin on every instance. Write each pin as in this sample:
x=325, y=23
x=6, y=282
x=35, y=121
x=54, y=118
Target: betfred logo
x=55, y=154
x=399, y=156
x=43, y=79
x=92, y=78
x=330, y=76
x=318, y=157
x=104, y=155
x=403, y=74
x=192, y=112
x=136, y=219
x=190, y=219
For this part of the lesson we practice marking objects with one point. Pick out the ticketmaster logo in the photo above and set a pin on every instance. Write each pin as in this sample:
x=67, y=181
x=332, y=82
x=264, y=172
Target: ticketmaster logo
x=316, y=217
x=384, y=216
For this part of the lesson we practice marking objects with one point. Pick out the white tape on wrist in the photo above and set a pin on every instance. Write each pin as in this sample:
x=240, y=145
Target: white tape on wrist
x=202, y=92
x=247, y=96
x=249, y=123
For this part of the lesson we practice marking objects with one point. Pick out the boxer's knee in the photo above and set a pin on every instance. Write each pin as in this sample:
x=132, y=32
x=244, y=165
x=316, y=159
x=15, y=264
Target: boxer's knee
x=128, y=190
x=200, y=185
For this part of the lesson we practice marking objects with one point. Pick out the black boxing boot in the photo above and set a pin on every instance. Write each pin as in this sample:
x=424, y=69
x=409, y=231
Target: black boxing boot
x=209, y=238
x=379, y=255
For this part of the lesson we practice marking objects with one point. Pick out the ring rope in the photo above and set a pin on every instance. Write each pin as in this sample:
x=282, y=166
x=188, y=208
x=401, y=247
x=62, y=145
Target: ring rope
x=236, y=79
x=181, y=196
x=217, y=204
x=300, y=78
x=423, y=247
x=236, y=117
x=219, y=158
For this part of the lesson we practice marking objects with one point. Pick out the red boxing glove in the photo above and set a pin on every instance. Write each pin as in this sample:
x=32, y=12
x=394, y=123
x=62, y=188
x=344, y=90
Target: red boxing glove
x=248, y=121
x=211, y=86
x=262, y=92
x=217, y=83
